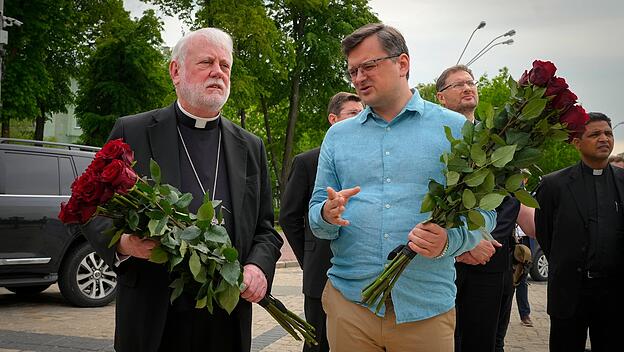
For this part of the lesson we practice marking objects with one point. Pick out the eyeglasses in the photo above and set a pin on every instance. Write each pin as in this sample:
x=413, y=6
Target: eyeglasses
x=367, y=66
x=460, y=85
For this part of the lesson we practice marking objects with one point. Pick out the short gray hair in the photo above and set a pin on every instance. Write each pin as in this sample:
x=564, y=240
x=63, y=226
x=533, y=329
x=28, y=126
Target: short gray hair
x=213, y=35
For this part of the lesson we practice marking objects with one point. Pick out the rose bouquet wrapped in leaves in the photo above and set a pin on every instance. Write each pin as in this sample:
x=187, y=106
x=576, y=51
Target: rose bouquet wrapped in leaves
x=484, y=166
x=196, y=250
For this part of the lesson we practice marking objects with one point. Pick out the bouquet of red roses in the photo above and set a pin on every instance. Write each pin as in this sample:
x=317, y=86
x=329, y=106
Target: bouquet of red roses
x=485, y=165
x=194, y=247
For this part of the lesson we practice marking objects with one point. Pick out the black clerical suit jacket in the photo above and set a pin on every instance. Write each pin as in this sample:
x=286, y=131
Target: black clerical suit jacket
x=143, y=292
x=313, y=253
x=561, y=225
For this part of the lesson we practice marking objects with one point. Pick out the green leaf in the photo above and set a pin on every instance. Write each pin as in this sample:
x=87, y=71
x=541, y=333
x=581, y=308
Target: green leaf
x=514, y=182
x=184, y=201
x=228, y=297
x=183, y=248
x=155, y=171
x=503, y=155
x=201, y=303
x=458, y=164
x=491, y=201
x=158, y=255
x=177, y=285
x=194, y=264
x=231, y=272
x=133, y=219
x=513, y=86
x=449, y=134
x=526, y=198
x=435, y=188
x=497, y=139
x=468, y=131
x=174, y=260
x=115, y=237
x=533, y=109
x=476, y=217
x=427, y=204
x=468, y=199
x=230, y=254
x=190, y=233
x=155, y=214
x=476, y=178
x=205, y=212
x=478, y=155
x=155, y=227
x=217, y=234
x=516, y=137
x=527, y=157
x=451, y=178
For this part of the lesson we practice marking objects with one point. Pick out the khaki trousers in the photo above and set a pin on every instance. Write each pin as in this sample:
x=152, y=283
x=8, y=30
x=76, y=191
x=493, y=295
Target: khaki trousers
x=354, y=328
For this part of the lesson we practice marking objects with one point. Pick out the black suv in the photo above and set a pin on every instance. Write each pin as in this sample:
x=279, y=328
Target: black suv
x=36, y=249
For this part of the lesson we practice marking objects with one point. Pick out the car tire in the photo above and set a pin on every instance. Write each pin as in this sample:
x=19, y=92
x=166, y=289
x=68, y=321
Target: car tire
x=28, y=290
x=85, y=280
x=539, y=269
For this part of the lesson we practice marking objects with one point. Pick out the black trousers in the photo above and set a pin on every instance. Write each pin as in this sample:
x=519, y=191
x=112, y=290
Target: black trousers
x=599, y=310
x=478, y=305
x=315, y=315
x=505, y=311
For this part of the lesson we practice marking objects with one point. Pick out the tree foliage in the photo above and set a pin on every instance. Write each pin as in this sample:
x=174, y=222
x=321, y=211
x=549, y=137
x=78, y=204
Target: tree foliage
x=126, y=74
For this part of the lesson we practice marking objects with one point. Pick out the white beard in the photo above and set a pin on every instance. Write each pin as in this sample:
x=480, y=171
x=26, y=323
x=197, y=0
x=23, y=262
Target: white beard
x=194, y=94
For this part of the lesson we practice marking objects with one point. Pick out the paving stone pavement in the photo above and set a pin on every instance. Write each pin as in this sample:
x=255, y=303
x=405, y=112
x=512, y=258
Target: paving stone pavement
x=46, y=323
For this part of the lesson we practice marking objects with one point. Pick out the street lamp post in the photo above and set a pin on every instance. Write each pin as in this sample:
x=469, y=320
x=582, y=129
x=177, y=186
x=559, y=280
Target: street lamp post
x=487, y=47
x=481, y=25
x=506, y=42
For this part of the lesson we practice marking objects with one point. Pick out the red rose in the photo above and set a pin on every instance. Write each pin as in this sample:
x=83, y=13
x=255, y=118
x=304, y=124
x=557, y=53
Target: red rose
x=86, y=212
x=70, y=212
x=524, y=79
x=120, y=176
x=564, y=100
x=116, y=149
x=541, y=72
x=88, y=189
x=555, y=86
x=575, y=119
x=97, y=165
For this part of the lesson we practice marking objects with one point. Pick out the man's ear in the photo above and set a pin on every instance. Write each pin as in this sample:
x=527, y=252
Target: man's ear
x=332, y=118
x=174, y=72
x=404, y=62
x=441, y=98
x=576, y=141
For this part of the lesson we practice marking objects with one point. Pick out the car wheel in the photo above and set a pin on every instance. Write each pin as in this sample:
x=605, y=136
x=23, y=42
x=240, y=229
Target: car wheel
x=85, y=280
x=539, y=269
x=28, y=290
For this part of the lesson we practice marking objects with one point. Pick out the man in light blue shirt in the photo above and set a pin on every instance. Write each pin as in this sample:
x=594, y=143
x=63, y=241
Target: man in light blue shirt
x=372, y=176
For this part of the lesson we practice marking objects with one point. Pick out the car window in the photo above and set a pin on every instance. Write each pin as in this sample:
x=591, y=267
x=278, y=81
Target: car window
x=67, y=176
x=31, y=174
x=82, y=163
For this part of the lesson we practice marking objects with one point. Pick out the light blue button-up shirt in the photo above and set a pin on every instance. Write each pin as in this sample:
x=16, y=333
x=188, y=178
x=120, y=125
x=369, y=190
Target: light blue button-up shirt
x=392, y=162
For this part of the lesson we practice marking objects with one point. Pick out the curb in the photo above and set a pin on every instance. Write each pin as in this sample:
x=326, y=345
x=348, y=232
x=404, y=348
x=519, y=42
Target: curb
x=287, y=264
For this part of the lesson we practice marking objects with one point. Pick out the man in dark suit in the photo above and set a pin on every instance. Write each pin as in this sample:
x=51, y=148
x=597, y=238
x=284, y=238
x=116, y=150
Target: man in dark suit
x=484, y=277
x=199, y=151
x=580, y=228
x=313, y=254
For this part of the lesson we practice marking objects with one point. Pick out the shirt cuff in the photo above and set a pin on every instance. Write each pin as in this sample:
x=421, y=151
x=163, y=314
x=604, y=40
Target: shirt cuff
x=321, y=228
x=120, y=258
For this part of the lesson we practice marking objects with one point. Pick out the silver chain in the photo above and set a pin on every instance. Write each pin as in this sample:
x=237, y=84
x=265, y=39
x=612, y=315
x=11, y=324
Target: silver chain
x=214, y=187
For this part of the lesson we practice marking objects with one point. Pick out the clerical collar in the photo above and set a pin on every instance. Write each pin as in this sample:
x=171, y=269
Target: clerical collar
x=190, y=120
x=593, y=172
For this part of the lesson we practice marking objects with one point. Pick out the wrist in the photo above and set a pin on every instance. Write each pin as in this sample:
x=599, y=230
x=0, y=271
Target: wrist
x=444, y=251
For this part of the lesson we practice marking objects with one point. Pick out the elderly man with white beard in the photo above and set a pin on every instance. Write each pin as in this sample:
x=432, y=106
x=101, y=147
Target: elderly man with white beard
x=200, y=152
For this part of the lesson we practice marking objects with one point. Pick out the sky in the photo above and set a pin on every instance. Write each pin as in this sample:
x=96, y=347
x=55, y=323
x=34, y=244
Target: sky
x=582, y=38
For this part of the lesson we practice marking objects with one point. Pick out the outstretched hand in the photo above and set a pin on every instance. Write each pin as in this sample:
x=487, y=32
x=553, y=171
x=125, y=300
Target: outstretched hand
x=336, y=203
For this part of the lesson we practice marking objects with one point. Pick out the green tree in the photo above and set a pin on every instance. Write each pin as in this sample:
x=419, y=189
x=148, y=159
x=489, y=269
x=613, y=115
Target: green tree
x=40, y=60
x=126, y=74
x=288, y=63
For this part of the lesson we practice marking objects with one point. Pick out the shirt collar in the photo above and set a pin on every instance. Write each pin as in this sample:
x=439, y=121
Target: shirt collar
x=200, y=122
x=416, y=103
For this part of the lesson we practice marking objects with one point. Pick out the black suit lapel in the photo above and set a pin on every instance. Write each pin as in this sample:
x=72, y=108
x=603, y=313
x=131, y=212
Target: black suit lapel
x=163, y=139
x=576, y=187
x=236, y=161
